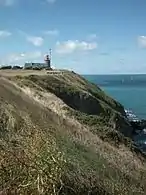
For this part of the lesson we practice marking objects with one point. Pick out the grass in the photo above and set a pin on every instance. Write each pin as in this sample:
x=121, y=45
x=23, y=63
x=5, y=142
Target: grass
x=30, y=161
x=101, y=126
x=44, y=154
x=74, y=91
x=89, y=171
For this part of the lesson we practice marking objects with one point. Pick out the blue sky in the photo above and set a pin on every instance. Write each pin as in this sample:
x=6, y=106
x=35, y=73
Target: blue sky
x=87, y=36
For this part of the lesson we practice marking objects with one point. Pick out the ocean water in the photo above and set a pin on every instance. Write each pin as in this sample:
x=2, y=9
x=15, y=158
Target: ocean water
x=129, y=90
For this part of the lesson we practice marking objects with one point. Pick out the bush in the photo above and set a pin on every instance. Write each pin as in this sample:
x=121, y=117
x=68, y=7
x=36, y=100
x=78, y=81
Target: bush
x=5, y=67
x=16, y=67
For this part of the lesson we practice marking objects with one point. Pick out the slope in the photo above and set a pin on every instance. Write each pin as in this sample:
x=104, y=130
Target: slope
x=41, y=116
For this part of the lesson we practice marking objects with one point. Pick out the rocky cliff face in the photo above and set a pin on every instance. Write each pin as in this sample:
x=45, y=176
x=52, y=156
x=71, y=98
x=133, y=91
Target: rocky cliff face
x=62, y=133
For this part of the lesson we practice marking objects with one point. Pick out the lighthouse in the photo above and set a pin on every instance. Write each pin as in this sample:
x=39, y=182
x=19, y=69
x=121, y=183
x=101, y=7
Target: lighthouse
x=47, y=61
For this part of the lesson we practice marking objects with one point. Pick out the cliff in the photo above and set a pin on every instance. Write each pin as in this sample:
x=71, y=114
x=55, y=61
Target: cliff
x=61, y=134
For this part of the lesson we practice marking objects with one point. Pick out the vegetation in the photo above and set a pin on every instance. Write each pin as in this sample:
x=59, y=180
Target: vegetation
x=30, y=162
x=5, y=67
x=82, y=96
x=80, y=149
x=17, y=67
x=10, y=67
x=103, y=127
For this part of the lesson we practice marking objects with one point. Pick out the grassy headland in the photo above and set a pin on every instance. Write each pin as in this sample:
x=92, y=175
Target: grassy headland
x=60, y=134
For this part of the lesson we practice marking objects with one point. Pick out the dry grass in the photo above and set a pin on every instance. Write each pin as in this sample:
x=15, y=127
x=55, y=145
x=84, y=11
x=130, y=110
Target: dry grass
x=30, y=161
x=21, y=72
x=37, y=128
x=84, y=135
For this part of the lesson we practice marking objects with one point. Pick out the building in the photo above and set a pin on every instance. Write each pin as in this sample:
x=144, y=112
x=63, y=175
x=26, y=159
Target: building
x=47, y=61
x=35, y=65
x=45, y=65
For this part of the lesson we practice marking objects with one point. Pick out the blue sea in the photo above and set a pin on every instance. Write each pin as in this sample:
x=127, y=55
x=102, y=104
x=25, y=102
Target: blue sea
x=129, y=90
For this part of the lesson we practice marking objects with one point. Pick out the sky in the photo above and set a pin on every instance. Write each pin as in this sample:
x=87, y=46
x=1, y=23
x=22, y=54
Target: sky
x=87, y=36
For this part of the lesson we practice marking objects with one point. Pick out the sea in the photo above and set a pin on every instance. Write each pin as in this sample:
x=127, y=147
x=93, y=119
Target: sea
x=129, y=90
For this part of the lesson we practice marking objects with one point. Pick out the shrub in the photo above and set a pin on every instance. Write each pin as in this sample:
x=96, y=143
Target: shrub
x=5, y=67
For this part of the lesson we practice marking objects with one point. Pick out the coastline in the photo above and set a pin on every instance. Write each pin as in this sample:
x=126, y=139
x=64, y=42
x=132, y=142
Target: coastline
x=139, y=126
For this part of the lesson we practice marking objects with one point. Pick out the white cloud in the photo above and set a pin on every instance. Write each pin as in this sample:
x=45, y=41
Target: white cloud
x=51, y=32
x=21, y=57
x=92, y=37
x=4, y=33
x=36, y=41
x=71, y=46
x=51, y=1
x=142, y=41
x=7, y=2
